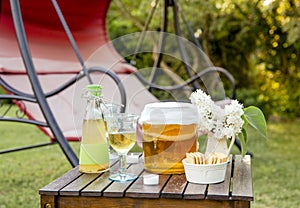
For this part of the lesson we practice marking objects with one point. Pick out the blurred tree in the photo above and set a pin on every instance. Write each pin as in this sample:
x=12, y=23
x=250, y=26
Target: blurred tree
x=258, y=41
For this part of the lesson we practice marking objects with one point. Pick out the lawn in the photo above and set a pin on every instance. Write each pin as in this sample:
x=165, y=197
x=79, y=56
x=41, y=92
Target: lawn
x=275, y=166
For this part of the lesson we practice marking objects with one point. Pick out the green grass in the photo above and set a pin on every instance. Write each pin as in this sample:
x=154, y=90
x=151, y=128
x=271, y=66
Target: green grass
x=275, y=166
x=23, y=173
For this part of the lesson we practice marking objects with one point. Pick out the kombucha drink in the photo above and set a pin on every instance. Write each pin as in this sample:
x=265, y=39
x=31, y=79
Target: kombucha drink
x=169, y=131
x=166, y=145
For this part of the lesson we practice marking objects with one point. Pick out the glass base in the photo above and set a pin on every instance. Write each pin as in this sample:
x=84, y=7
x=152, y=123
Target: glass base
x=122, y=177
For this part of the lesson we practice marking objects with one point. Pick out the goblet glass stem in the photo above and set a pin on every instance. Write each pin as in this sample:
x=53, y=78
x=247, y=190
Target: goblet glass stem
x=122, y=165
x=122, y=175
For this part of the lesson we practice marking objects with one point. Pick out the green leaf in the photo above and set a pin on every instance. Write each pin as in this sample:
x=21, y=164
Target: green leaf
x=256, y=119
x=245, y=121
x=243, y=139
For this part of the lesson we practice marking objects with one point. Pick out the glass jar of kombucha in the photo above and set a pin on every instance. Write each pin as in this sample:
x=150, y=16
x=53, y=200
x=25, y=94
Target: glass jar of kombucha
x=169, y=131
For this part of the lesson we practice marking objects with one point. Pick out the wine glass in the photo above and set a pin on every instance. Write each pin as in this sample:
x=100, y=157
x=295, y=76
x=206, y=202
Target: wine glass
x=122, y=137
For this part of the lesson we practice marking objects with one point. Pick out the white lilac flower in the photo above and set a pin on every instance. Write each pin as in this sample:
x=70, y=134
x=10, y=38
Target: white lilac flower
x=222, y=122
x=204, y=105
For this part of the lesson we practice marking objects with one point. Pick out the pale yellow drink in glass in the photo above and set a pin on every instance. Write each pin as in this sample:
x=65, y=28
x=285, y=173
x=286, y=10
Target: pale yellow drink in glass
x=94, y=156
x=122, y=142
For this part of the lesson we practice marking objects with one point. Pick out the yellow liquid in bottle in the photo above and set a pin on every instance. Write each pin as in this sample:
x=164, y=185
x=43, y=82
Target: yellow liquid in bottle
x=94, y=157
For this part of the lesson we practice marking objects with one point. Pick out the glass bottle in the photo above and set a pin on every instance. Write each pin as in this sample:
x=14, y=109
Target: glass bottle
x=94, y=157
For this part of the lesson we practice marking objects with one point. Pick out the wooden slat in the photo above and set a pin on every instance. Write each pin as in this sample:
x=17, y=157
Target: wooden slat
x=221, y=191
x=139, y=190
x=242, y=179
x=175, y=187
x=195, y=191
x=54, y=187
x=74, y=188
x=97, y=187
x=114, y=165
x=117, y=189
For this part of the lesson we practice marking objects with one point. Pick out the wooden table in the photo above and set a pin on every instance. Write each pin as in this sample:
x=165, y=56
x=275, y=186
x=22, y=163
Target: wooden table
x=75, y=189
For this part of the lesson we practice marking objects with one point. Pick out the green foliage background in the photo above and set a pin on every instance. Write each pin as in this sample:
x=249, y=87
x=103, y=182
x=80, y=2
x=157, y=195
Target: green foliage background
x=258, y=41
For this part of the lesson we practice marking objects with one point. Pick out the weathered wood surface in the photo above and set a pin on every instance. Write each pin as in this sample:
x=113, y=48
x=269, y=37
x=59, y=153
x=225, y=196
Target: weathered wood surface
x=221, y=191
x=242, y=188
x=54, y=187
x=75, y=189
